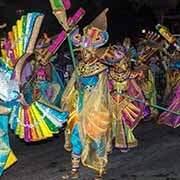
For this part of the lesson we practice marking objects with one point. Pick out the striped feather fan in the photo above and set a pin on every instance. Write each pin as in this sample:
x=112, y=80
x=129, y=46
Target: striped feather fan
x=22, y=38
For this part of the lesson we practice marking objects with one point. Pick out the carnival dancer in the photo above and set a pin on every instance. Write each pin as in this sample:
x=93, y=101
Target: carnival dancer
x=172, y=116
x=126, y=112
x=9, y=97
x=85, y=98
x=169, y=118
x=43, y=75
x=147, y=49
x=47, y=80
x=171, y=76
x=147, y=84
x=33, y=119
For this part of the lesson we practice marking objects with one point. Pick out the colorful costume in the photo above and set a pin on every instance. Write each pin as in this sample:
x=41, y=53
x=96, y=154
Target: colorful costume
x=126, y=113
x=86, y=78
x=168, y=118
x=9, y=97
x=34, y=118
x=147, y=84
x=47, y=84
x=47, y=80
x=172, y=74
x=86, y=100
x=146, y=50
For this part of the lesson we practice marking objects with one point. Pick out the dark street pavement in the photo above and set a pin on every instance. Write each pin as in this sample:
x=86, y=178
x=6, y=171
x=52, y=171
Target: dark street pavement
x=156, y=158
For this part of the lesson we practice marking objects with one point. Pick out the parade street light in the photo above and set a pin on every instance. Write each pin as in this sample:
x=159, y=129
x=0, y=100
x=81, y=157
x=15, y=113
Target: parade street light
x=143, y=31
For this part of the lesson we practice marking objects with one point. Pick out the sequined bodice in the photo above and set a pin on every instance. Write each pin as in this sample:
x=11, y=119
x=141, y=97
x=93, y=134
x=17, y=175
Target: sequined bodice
x=90, y=68
x=118, y=88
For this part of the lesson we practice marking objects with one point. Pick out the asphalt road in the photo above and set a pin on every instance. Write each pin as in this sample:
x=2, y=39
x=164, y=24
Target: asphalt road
x=156, y=158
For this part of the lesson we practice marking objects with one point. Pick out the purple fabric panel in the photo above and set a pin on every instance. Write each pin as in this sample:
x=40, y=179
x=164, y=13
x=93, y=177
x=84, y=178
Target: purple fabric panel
x=27, y=71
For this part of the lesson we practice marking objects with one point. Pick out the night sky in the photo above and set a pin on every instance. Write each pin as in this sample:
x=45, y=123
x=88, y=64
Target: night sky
x=123, y=18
